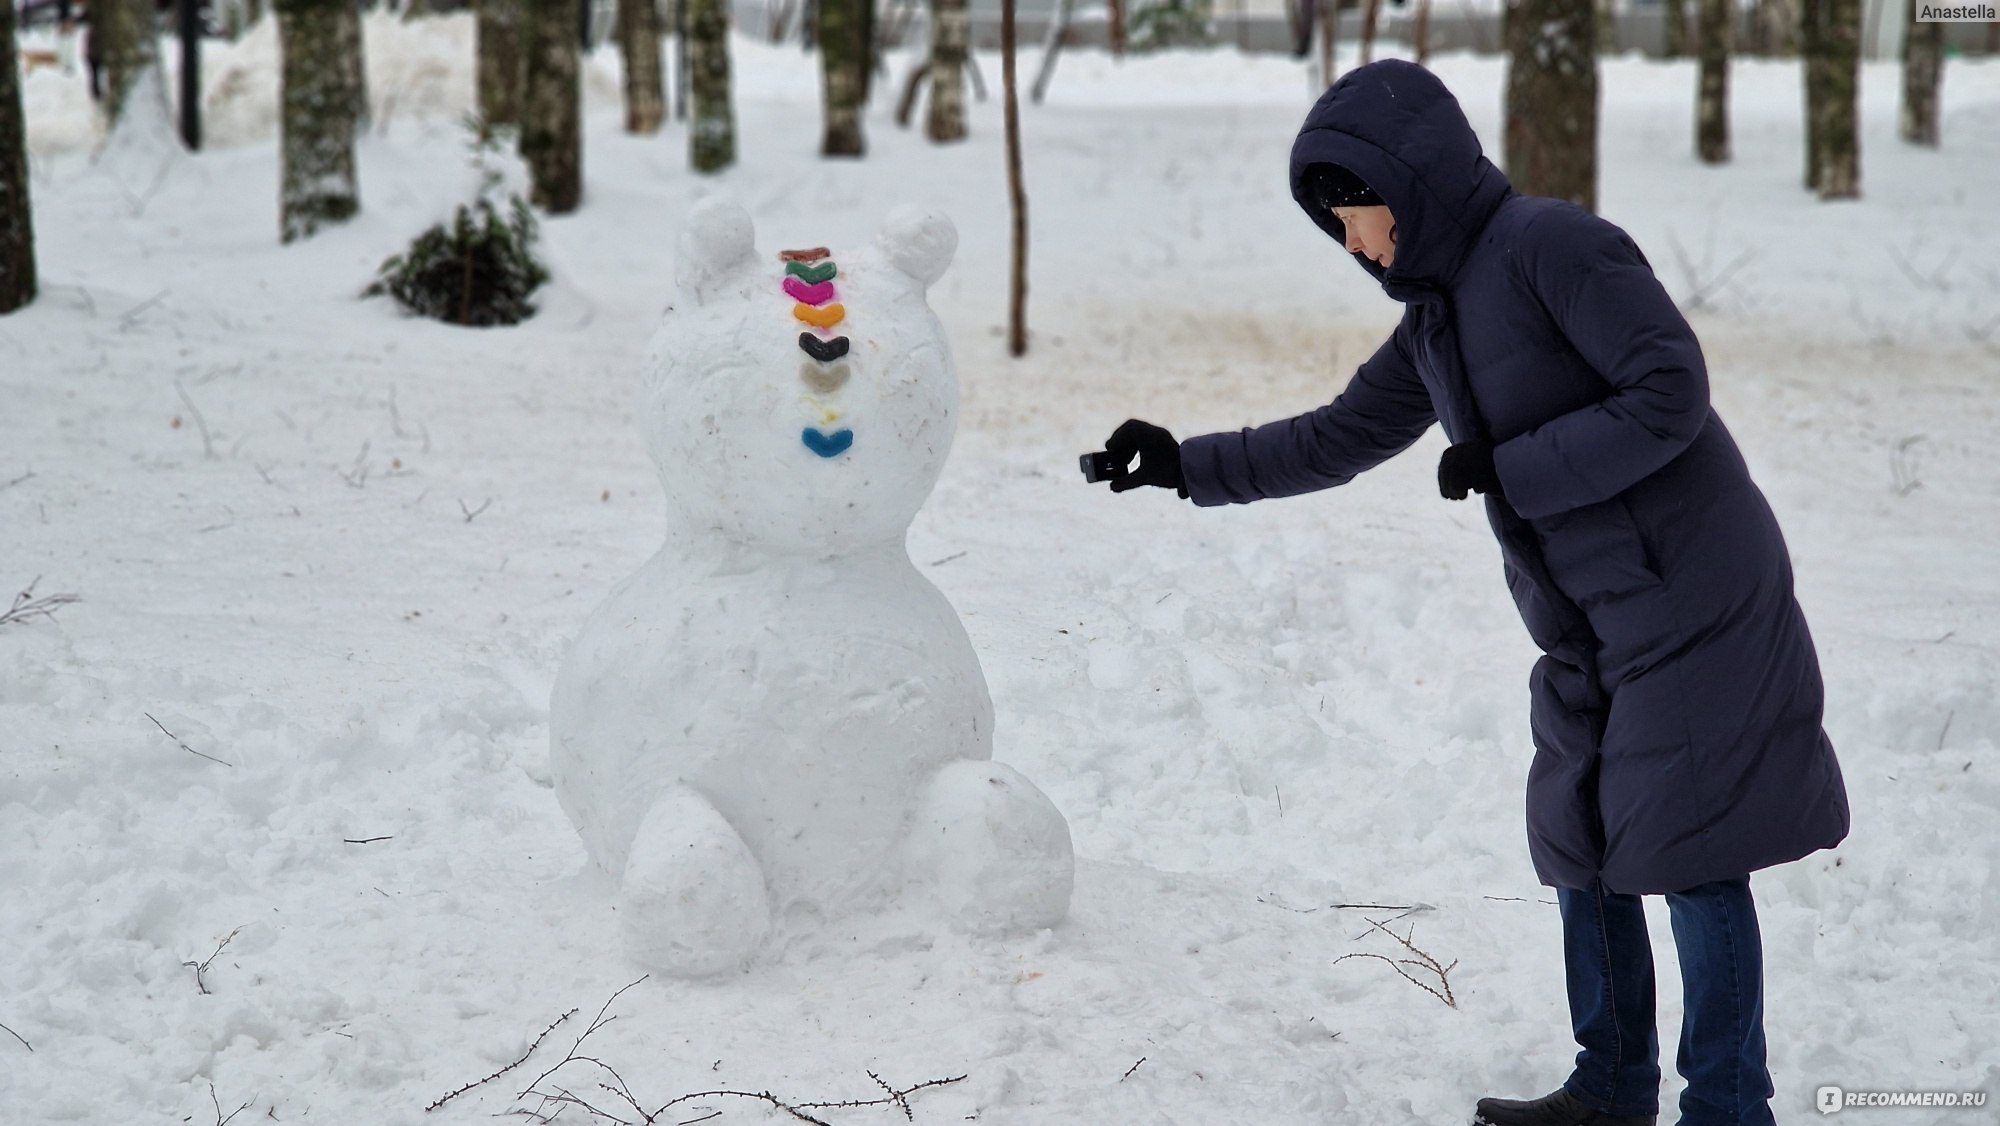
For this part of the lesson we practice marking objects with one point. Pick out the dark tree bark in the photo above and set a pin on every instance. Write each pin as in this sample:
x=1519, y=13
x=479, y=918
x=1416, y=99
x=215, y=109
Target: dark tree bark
x=17, y=218
x=1329, y=39
x=551, y=106
x=1778, y=27
x=348, y=48
x=1675, y=39
x=1712, y=110
x=1923, y=73
x=1117, y=28
x=1369, y=14
x=499, y=78
x=645, y=87
x=843, y=71
x=317, y=118
x=712, y=139
x=1017, y=196
x=121, y=35
x=1551, y=130
x=950, y=26
x=1833, y=64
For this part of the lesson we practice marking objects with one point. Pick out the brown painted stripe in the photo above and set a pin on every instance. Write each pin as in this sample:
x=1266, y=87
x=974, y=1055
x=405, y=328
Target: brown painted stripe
x=813, y=255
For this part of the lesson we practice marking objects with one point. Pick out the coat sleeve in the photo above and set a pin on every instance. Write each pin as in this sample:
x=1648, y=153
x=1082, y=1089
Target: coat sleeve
x=1383, y=410
x=1599, y=289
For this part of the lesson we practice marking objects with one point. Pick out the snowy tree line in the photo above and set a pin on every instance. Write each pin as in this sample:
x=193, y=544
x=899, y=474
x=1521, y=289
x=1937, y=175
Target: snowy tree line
x=529, y=56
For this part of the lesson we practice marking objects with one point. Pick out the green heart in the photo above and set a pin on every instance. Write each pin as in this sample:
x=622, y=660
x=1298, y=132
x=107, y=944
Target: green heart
x=811, y=275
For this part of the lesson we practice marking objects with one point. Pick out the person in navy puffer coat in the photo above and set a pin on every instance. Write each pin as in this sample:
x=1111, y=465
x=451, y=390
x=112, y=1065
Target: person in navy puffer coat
x=1676, y=712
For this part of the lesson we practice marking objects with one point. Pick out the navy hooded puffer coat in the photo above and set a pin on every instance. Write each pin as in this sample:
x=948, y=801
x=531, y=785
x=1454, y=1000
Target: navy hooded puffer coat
x=1676, y=713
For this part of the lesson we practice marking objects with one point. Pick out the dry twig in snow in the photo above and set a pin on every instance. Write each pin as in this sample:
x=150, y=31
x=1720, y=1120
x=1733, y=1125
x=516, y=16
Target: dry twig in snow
x=26, y=605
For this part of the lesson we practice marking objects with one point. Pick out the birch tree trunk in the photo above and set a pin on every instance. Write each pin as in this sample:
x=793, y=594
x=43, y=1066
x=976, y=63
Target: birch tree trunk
x=1923, y=73
x=950, y=24
x=499, y=38
x=712, y=137
x=121, y=33
x=17, y=219
x=843, y=65
x=1052, y=43
x=551, y=105
x=316, y=118
x=1017, y=197
x=1551, y=129
x=645, y=88
x=1833, y=62
x=1712, y=110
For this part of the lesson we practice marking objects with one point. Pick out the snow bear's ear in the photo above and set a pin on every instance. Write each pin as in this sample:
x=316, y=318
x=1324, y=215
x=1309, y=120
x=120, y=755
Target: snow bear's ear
x=716, y=240
x=920, y=243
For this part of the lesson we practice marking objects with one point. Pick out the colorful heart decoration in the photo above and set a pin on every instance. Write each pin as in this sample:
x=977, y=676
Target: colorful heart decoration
x=812, y=274
x=817, y=294
x=827, y=445
x=825, y=351
x=825, y=316
x=824, y=378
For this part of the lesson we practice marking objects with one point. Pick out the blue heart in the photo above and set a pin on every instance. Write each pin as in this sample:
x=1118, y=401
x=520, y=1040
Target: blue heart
x=827, y=445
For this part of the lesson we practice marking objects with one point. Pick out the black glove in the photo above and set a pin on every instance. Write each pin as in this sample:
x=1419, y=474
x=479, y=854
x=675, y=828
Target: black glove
x=1160, y=457
x=1468, y=466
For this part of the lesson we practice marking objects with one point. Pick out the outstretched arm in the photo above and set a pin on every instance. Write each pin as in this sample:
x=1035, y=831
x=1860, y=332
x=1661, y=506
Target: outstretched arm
x=1384, y=409
x=1597, y=286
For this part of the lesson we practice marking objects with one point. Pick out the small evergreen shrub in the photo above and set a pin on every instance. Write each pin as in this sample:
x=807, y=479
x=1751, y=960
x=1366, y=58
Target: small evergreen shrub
x=480, y=268
x=1171, y=23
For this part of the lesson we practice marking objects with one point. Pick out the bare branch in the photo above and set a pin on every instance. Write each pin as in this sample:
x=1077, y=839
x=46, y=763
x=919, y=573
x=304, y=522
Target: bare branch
x=201, y=967
x=17, y=1036
x=1130, y=1070
x=473, y=513
x=181, y=745
x=201, y=424
x=26, y=605
x=536, y=1043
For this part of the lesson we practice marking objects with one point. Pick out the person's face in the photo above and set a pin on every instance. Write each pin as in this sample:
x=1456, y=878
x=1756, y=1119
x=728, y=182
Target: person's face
x=1370, y=231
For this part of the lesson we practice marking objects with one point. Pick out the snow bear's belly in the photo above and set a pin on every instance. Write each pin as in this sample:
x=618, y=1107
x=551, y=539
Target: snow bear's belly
x=808, y=704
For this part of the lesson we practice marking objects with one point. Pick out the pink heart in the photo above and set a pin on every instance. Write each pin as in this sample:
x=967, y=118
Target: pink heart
x=809, y=294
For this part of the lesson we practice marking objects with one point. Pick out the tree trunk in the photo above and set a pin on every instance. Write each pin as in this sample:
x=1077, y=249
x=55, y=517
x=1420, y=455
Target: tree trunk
x=348, y=48
x=950, y=24
x=499, y=38
x=639, y=44
x=1422, y=33
x=1778, y=28
x=843, y=67
x=712, y=138
x=17, y=219
x=1017, y=198
x=1329, y=38
x=121, y=36
x=1676, y=28
x=1052, y=46
x=317, y=118
x=1833, y=59
x=1368, y=17
x=1117, y=29
x=551, y=106
x=1551, y=130
x=1712, y=110
x=1923, y=73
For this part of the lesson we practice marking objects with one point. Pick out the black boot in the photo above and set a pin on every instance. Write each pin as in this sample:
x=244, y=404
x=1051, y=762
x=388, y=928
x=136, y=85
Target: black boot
x=1558, y=1109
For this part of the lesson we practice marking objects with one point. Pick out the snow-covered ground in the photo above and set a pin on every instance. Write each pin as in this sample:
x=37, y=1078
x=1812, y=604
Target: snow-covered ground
x=342, y=552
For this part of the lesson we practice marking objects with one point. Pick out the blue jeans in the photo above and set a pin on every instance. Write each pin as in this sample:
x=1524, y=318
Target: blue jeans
x=1610, y=976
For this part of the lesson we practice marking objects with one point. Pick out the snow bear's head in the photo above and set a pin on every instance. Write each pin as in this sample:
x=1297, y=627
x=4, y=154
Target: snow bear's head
x=801, y=400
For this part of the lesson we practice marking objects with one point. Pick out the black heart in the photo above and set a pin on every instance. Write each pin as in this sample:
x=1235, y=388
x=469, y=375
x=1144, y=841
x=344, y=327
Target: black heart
x=825, y=351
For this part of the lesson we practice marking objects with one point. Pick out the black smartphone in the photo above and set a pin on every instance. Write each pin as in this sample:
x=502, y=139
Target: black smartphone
x=1100, y=466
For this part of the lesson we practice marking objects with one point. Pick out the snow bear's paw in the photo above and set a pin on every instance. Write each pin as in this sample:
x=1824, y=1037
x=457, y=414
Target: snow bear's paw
x=991, y=849
x=694, y=901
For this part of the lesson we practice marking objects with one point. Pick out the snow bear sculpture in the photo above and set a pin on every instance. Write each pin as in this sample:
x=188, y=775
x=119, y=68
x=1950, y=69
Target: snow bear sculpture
x=778, y=719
